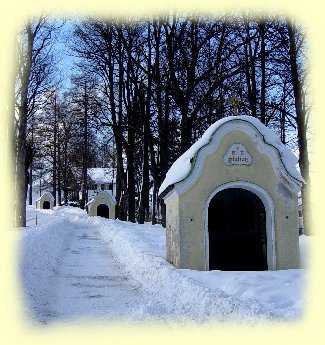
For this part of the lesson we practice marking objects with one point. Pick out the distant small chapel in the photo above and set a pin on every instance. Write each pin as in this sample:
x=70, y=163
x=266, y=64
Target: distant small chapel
x=45, y=201
x=103, y=205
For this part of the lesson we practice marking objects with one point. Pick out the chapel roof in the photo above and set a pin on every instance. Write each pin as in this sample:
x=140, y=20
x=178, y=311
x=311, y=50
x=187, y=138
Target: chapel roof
x=48, y=194
x=182, y=167
x=106, y=193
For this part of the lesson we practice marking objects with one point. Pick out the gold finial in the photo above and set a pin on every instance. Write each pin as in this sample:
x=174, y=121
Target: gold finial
x=234, y=101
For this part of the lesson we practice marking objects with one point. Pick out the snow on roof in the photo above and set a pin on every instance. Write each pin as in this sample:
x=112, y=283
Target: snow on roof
x=100, y=175
x=106, y=192
x=45, y=194
x=182, y=166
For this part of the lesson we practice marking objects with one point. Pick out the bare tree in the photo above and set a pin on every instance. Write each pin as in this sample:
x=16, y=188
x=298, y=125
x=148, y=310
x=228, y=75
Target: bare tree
x=165, y=80
x=296, y=42
x=35, y=64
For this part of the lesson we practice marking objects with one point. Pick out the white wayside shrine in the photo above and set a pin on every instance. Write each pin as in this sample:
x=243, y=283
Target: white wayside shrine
x=46, y=201
x=232, y=201
x=103, y=205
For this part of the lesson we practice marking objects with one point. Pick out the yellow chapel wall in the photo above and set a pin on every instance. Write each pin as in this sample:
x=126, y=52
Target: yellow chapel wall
x=101, y=198
x=190, y=249
x=45, y=197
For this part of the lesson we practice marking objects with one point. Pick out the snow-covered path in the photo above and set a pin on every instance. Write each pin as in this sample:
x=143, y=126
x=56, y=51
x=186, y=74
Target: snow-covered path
x=88, y=281
x=74, y=267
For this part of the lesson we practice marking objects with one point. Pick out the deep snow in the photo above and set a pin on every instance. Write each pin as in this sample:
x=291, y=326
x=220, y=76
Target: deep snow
x=73, y=266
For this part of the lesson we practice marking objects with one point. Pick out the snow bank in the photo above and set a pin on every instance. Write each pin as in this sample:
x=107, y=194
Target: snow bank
x=182, y=166
x=179, y=295
x=202, y=296
x=40, y=250
x=277, y=291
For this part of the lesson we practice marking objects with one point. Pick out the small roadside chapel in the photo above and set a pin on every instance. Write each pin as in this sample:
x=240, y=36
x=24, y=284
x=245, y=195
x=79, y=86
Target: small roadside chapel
x=46, y=201
x=103, y=205
x=232, y=201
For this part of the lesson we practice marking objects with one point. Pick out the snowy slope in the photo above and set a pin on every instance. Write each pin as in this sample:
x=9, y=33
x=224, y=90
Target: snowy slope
x=168, y=293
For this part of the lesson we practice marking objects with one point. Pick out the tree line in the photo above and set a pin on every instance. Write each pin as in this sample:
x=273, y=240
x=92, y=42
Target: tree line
x=144, y=90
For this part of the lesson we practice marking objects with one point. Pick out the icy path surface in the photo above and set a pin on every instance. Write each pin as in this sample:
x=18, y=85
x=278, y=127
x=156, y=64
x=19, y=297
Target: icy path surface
x=69, y=273
x=89, y=281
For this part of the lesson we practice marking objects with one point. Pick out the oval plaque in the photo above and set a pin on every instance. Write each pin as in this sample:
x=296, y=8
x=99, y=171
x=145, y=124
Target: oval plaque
x=237, y=154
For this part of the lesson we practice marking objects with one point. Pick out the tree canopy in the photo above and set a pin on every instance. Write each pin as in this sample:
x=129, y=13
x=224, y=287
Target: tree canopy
x=143, y=91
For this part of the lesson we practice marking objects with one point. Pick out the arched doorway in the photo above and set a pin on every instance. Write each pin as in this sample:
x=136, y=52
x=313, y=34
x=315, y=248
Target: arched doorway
x=46, y=205
x=103, y=211
x=237, y=231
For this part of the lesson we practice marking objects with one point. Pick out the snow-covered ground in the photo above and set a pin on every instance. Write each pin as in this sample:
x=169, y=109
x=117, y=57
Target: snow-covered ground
x=74, y=267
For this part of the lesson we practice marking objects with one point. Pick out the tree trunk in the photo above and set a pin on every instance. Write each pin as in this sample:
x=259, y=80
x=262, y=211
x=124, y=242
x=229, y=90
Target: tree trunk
x=301, y=121
x=54, y=150
x=144, y=197
x=59, y=175
x=263, y=76
x=131, y=182
x=154, y=205
x=145, y=110
x=164, y=147
x=20, y=135
x=65, y=171
x=250, y=73
x=283, y=117
x=163, y=213
x=85, y=151
x=30, y=195
x=30, y=175
x=117, y=119
x=186, y=129
x=130, y=169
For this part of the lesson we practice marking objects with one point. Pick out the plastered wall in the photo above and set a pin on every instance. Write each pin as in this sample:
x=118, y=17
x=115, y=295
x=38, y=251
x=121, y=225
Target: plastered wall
x=186, y=213
x=102, y=198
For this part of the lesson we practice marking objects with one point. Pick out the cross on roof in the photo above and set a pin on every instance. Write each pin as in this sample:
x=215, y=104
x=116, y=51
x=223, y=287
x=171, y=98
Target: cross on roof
x=234, y=101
